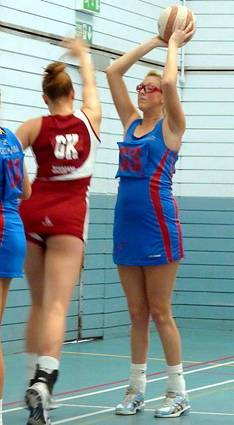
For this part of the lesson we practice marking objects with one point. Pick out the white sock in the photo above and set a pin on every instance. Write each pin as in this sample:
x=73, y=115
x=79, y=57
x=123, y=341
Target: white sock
x=48, y=364
x=0, y=412
x=176, y=382
x=31, y=362
x=137, y=378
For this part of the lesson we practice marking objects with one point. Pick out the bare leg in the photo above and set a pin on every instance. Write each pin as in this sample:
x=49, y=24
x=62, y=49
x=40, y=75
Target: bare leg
x=63, y=261
x=34, y=268
x=132, y=279
x=4, y=288
x=160, y=283
x=62, y=264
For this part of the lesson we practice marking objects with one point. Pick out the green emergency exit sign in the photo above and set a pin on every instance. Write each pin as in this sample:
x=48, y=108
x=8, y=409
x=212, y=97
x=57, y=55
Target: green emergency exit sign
x=85, y=31
x=90, y=6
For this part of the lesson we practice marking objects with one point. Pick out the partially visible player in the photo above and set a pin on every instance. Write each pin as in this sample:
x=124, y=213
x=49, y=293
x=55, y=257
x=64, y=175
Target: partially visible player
x=56, y=216
x=14, y=184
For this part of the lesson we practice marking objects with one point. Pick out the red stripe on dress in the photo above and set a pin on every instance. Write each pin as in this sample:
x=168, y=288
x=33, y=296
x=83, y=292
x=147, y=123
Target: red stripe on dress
x=181, y=248
x=155, y=196
x=1, y=223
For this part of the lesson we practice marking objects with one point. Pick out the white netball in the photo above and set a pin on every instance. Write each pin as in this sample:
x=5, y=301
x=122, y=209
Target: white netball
x=171, y=17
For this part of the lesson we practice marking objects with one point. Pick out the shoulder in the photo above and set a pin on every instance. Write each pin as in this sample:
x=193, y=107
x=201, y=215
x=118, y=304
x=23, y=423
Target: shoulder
x=172, y=139
x=32, y=123
x=87, y=119
x=6, y=132
x=29, y=131
x=9, y=135
x=134, y=118
x=132, y=125
x=94, y=118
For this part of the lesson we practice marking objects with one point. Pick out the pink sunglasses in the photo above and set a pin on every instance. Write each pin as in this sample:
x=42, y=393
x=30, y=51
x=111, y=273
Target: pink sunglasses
x=148, y=88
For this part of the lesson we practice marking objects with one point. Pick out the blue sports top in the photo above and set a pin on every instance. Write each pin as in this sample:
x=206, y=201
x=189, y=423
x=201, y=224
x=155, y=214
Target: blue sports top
x=11, y=169
x=147, y=156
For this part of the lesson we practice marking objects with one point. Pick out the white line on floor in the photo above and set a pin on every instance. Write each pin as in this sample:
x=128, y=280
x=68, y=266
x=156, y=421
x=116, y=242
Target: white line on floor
x=124, y=386
x=74, y=418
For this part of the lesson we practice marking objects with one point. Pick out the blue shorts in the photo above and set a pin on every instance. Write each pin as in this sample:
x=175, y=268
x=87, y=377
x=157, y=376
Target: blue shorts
x=12, y=245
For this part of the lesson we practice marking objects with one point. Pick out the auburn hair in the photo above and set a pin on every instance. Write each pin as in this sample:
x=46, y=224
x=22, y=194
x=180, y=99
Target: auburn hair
x=56, y=82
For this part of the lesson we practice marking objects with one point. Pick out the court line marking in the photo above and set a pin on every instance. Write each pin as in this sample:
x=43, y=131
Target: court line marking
x=213, y=413
x=87, y=415
x=120, y=356
x=108, y=384
x=146, y=409
x=162, y=378
x=85, y=405
x=92, y=406
x=200, y=413
x=125, y=386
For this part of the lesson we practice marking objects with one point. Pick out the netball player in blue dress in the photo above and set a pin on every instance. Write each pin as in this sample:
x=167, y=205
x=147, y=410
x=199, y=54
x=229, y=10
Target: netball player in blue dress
x=14, y=184
x=147, y=234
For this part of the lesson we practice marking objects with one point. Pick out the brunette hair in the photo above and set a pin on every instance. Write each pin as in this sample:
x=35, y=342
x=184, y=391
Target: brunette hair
x=56, y=82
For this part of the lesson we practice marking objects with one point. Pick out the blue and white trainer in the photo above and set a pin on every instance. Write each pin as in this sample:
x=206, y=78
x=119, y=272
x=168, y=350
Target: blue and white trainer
x=173, y=406
x=132, y=403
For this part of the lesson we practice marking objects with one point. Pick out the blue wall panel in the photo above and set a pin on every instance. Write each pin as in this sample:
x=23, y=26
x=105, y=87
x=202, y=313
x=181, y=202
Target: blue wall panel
x=204, y=294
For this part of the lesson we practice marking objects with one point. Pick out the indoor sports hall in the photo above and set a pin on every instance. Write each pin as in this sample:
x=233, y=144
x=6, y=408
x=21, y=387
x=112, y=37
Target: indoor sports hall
x=96, y=353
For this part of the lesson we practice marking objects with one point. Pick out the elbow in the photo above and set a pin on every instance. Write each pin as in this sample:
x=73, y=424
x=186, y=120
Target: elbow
x=110, y=75
x=109, y=71
x=25, y=196
x=26, y=193
x=112, y=72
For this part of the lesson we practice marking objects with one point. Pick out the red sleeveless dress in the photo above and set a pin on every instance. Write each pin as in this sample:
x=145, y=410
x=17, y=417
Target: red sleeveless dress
x=65, y=152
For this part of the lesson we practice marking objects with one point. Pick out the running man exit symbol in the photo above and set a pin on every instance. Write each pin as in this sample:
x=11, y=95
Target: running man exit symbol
x=85, y=31
x=93, y=5
x=90, y=6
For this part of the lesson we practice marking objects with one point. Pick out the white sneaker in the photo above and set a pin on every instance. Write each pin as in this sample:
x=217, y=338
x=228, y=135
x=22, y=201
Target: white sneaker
x=37, y=398
x=132, y=403
x=173, y=406
x=53, y=404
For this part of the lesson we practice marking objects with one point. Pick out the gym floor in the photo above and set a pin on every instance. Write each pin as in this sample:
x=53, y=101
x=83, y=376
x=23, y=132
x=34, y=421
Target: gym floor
x=94, y=375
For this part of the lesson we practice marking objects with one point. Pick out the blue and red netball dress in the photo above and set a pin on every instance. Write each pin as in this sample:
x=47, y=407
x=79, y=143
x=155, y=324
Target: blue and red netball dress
x=12, y=237
x=65, y=151
x=147, y=230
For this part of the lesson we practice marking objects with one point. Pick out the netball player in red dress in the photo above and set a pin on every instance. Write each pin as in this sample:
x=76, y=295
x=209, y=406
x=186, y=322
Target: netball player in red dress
x=55, y=219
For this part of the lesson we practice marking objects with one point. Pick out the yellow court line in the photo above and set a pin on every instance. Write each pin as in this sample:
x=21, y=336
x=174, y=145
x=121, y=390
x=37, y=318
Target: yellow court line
x=120, y=356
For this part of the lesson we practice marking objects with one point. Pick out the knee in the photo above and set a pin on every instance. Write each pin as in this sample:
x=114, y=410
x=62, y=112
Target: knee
x=139, y=316
x=36, y=300
x=36, y=310
x=57, y=309
x=54, y=309
x=161, y=315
